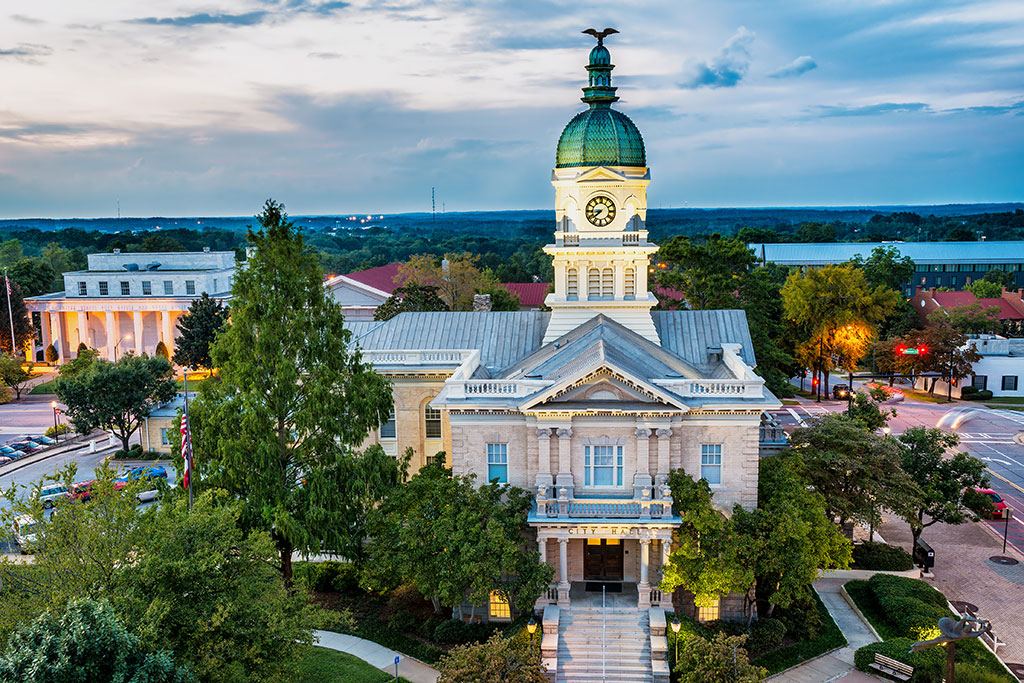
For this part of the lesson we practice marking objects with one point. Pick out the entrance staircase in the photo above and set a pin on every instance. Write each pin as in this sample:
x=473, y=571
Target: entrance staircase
x=627, y=645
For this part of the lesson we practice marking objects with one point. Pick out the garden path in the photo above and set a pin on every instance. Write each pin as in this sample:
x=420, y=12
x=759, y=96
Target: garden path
x=379, y=656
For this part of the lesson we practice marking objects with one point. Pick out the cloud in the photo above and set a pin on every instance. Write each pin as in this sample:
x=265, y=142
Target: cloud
x=725, y=69
x=800, y=65
x=26, y=52
x=872, y=109
x=32, y=21
x=246, y=19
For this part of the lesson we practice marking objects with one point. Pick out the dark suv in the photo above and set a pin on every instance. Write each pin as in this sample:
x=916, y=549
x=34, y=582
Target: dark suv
x=841, y=392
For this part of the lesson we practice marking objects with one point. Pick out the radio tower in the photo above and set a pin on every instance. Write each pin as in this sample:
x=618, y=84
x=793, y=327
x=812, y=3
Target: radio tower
x=433, y=206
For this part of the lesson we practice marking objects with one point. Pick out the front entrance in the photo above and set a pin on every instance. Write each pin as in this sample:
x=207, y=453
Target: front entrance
x=602, y=559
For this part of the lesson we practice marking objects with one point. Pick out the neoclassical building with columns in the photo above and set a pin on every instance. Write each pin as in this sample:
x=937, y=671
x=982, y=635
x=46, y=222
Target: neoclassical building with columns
x=591, y=405
x=129, y=302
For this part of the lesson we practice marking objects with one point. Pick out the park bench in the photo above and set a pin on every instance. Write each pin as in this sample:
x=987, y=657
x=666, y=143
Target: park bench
x=891, y=667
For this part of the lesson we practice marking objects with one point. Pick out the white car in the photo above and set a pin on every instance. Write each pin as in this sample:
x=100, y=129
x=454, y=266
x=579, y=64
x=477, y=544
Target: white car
x=25, y=529
x=48, y=495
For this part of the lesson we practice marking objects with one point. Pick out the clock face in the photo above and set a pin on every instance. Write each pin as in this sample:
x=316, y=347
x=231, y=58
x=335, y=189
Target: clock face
x=600, y=211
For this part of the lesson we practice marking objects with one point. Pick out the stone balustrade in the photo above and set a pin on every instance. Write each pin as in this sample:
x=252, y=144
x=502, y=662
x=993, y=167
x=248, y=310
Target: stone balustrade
x=714, y=388
x=496, y=388
x=417, y=357
x=645, y=507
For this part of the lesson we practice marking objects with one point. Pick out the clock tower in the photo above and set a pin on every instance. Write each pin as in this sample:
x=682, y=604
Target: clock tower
x=601, y=253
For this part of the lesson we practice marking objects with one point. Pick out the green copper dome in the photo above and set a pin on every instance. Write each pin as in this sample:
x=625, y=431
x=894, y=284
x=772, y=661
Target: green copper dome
x=600, y=136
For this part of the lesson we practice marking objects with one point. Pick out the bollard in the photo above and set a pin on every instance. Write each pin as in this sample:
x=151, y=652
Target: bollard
x=92, y=446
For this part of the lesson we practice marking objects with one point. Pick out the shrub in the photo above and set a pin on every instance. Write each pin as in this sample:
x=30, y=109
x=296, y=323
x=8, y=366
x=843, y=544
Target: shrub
x=982, y=395
x=885, y=587
x=403, y=621
x=133, y=453
x=346, y=578
x=802, y=618
x=926, y=663
x=82, y=346
x=426, y=628
x=319, y=576
x=881, y=557
x=61, y=429
x=51, y=354
x=720, y=660
x=161, y=350
x=450, y=632
x=968, y=390
x=766, y=634
x=965, y=673
x=912, y=607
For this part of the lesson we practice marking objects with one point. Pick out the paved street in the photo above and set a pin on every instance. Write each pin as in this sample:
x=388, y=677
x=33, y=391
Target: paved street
x=30, y=415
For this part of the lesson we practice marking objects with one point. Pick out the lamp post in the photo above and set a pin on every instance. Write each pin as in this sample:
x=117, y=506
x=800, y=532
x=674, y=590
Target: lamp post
x=127, y=336
x=531, y=628
x=675, y=630
x=56, y=412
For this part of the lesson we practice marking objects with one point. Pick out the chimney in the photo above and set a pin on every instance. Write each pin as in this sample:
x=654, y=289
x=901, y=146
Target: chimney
x=481, y=303
x=919, y=289
x=117, y=251
x=206, y=250
x=931, y=292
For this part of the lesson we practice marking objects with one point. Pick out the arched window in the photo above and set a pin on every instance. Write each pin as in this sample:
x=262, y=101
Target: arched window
x=630, y=285
x=593, y=283
x=572, y=285
x=607, y=283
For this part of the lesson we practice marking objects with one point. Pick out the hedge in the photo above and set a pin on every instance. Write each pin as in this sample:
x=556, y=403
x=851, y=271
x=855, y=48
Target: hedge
x=927, y=663
x=881, y=557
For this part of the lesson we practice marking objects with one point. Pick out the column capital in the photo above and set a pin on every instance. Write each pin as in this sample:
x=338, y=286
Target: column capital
x=663, y=432
x=645, y=541
x=565, y=432
x=563, y=539
x=543, y=432
x=643, y=433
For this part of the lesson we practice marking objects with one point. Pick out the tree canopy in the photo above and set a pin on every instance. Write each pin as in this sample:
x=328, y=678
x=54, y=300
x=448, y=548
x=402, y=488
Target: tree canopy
x=23, y=330
x=706, y=273
x=969, y=318
x=499, y=660
x=457, y=277
x=13, y=374
x=205, y=319
x=408, y=298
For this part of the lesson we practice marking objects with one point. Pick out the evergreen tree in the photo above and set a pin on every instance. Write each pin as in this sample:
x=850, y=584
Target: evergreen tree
x=199, y=327
x=291, y=399
x=161, y=350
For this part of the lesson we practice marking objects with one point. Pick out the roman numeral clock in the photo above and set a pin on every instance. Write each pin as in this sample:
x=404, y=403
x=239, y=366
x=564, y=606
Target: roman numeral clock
x=600, y=211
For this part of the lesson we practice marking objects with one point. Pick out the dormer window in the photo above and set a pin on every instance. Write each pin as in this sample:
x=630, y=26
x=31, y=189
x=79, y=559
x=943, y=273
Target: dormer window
x=82, y=291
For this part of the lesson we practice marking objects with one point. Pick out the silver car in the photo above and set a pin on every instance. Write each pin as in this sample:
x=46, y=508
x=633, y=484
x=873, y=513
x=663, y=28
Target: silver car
x=51, y=493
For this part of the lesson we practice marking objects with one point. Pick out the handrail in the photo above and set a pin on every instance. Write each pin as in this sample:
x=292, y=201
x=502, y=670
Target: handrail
x=738, y=388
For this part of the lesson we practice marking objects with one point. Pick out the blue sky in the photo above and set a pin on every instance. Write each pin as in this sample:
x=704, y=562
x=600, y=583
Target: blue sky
x=207, y=108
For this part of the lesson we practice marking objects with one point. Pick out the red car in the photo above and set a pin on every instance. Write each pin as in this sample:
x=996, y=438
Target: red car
x=82, y=491
x=997, y=501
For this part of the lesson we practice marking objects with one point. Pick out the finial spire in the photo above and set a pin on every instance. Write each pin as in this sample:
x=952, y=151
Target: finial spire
x=599, y=91
x=600, y=35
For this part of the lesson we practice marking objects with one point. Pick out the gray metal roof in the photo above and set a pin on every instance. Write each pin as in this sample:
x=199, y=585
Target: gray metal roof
x=689, y=335
x=925, y=253
x=502, y=337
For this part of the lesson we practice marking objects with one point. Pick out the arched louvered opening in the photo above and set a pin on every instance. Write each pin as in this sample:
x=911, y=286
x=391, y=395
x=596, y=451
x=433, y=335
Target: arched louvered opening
x=629, y=288
x=572, y=285
x=607, y=283
x=593, y=283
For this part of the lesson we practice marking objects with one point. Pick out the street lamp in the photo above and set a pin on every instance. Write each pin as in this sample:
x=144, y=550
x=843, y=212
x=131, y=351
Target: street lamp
x=676, y=625
x=531, y=627
x=56, y=412
x=127, y=336
x=886, y=430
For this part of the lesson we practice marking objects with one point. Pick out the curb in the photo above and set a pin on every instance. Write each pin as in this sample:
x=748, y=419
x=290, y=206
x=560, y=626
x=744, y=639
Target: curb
x=21, y=464
x=856, y=610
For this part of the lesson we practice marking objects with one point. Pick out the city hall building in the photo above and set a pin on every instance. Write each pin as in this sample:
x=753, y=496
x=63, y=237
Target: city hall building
x=588, y=406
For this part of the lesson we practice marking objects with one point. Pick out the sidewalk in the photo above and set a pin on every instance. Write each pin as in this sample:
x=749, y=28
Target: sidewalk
x=378, y=655
x=838, y=665
x=964, y=572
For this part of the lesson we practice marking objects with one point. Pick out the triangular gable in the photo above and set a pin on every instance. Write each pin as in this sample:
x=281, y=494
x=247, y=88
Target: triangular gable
x=600, y=173
x=639, y=390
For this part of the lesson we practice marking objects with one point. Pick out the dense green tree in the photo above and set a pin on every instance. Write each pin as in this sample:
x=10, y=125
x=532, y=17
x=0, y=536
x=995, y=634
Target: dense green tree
x=199, y=327
x=788, y=539
x=33, y=275
x=947, y=353
x=723, y=659
x=116, y=396
x=23, y=330
x=82, y=643
x=707, y=557
x=160, y=243
x=771, y=335
x=856, y=470
x=946, y=483
x=291, y=399
x=499, y=660
x=986, y=289
x=968, y=318
x=866, y=409
x=707, y=274
x=501, y=298
x=82, y=360
x=62, y=261
x=885, y=267
x=1003, y=279
x=11, y=252
x=410, y=297
x=456, y=541
x=13, y=374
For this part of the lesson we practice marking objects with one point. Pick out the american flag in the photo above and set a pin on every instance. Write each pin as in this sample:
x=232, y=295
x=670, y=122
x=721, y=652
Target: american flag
x=7, y=280
x=186, y=447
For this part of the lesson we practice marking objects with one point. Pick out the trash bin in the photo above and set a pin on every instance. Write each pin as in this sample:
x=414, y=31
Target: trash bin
x=924, y=556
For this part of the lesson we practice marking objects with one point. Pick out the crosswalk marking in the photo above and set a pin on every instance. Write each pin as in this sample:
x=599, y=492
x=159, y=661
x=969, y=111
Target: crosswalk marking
x=1012, y=415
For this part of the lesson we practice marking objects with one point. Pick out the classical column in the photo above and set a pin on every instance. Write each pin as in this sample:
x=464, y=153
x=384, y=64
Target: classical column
x=112, y=333
x=137, y=319
x=663, y=461
x=165, y=326
x=83, y=329
x=564, y=478
x=542, y=547
x=61, y=336
x=563, y=572
x=544, y=457
x=666, y=549
x=644, y=587
x=642, y=478
x=620, y=281
x=44, y=324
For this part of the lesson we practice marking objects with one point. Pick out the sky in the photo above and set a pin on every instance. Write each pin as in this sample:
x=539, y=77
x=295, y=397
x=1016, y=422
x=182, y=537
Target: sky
x=179, y=108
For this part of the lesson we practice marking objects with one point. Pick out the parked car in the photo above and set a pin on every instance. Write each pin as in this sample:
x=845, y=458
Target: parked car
x=997, y=502
x=25, y=529
x=44, y=440
x=82, y=491
x=26, y=446
x=9, y=452
x=141, y=496
x=50, y=494
x=841, y=392
x=144, y=472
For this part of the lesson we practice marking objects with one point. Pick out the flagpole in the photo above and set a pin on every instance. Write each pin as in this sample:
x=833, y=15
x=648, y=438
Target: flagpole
x=189, y=456
x=10, y=316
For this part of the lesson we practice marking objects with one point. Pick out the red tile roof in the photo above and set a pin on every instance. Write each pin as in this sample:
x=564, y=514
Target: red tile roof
x=381, y=277
x=530, y=293
x=964, y=298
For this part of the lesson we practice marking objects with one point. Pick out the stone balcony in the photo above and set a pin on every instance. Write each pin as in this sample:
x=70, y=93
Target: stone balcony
x=653, y=503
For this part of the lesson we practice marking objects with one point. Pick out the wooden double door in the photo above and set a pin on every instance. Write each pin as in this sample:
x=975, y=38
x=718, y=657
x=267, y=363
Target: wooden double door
x=602, y=559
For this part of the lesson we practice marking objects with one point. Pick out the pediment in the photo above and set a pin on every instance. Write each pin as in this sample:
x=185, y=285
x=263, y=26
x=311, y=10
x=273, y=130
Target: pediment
x=604, y=387
x=600, y=173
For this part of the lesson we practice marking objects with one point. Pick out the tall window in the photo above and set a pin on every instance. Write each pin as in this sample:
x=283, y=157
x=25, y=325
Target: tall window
x=168, y=287
x=432, y=422
x=147, y=288
x=499, y=607
x=163, y=438
x=387, y=430
x=103, y=289
x=602, y=465
x=630, y=285
x=190, y=286
x=126, y=288
x=980, y=381
x=497, y=462
x=711, y=463
x=593, y=283
x=607, y=283
x=82, y=289
x=1009, y=382
x=572, y=285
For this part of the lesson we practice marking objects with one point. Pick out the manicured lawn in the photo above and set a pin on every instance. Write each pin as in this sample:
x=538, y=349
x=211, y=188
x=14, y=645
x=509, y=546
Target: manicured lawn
x=45, y=388
x=790, y=402
x=1003, y=406
x=791, y=655
x=329, y=666
x=1013, y=400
